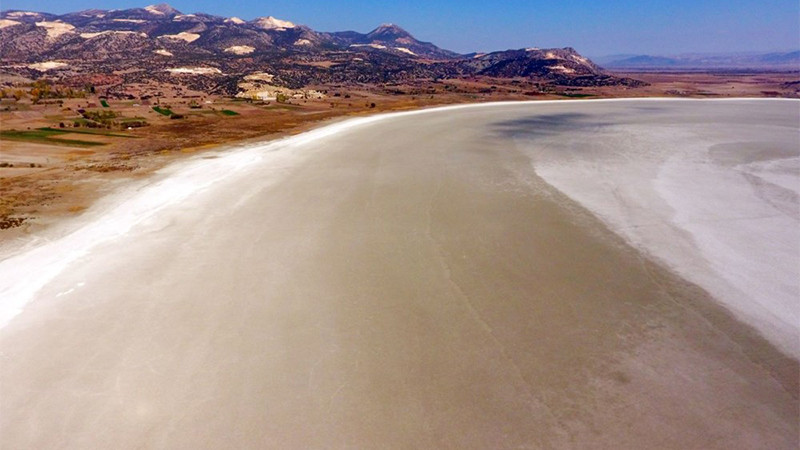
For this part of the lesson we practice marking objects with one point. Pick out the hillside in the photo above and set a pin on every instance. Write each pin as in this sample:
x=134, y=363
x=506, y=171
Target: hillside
x=215, y=54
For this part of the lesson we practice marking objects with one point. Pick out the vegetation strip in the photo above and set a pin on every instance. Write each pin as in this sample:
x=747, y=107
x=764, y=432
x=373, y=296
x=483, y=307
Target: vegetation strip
x=164, y=111
x=95, y=133
x=45, y=137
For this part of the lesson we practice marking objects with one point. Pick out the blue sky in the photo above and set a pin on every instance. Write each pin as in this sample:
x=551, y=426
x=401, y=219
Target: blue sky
x=593, y=27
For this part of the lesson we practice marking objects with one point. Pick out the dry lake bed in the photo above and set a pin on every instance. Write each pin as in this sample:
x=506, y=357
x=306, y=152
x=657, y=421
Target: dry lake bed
x=569, y=274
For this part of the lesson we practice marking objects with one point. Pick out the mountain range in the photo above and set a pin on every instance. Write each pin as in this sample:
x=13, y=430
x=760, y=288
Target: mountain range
x=216, y=54
x=704, y=61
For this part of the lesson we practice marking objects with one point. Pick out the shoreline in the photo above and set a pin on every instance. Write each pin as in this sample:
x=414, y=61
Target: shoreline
x=76, y=184
x=218, y=149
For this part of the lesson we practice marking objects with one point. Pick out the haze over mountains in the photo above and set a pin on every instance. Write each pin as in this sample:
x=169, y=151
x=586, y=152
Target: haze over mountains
x=159, y=42
x=749, y=60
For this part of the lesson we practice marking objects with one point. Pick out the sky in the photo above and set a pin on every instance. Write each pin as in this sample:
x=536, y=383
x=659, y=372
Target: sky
x=594, y=28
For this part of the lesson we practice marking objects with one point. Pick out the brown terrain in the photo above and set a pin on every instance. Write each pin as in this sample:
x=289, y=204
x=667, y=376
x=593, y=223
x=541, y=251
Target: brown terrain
x=46, y=178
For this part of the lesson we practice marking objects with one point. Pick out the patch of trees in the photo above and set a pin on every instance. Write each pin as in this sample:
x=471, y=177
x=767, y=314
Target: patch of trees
x=44, y=89
x=97, y=119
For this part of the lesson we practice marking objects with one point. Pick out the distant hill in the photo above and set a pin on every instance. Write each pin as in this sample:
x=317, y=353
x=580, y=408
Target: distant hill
x=644, y=61
x=563, y=66
x=392, y=38
x=760, y=61
x=792, y=58
x=160, y=43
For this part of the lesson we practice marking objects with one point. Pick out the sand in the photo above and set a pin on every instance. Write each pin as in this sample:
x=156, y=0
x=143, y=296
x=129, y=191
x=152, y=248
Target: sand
x=240, y=49
x=412, y=282
x=183, y=35
x=55, y=29
x=195, y=70
x=4, y=23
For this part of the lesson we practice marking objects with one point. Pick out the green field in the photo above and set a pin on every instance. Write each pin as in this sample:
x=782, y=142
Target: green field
x=165, y=111
x=72, y=130
x=134, y=121
x=45, y=136
x=574, y=95
x=228, y=112
x=276, y=105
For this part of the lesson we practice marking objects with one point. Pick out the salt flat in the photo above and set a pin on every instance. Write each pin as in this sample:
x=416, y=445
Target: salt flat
x=712, y=189
x=548, y=274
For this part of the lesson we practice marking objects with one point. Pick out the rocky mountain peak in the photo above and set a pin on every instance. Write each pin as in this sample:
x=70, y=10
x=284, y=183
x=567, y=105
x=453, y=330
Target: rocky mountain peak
x=272, y=23
x=162, y=9
x=389, y=31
